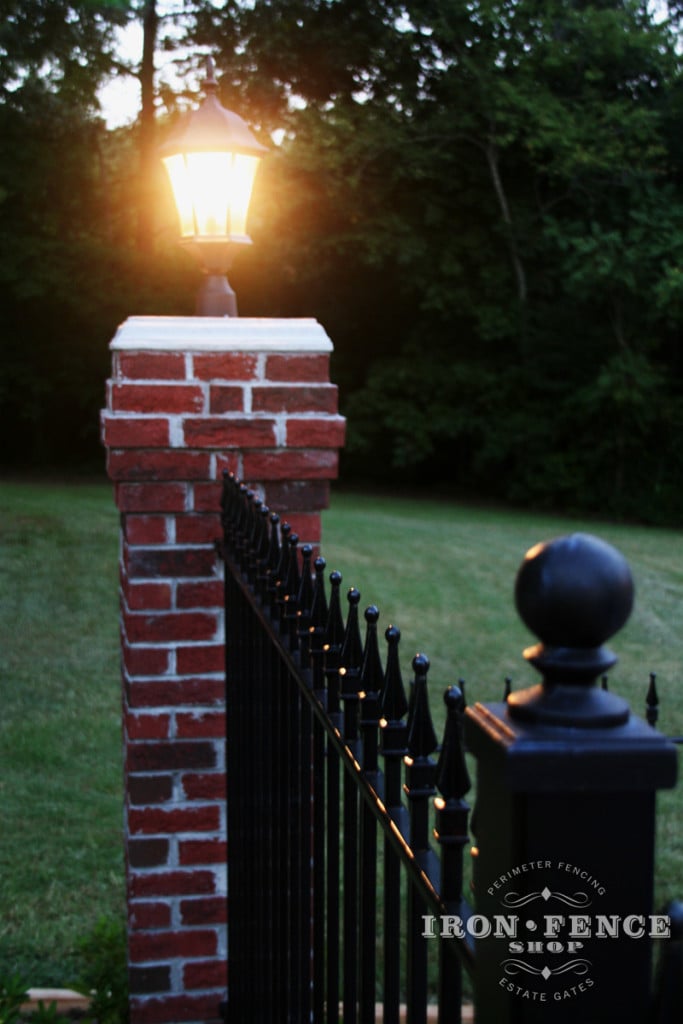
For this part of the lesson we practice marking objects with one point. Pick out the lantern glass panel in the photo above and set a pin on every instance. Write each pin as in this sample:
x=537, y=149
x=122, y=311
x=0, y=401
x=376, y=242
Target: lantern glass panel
x=212, y=192
x=182, y=193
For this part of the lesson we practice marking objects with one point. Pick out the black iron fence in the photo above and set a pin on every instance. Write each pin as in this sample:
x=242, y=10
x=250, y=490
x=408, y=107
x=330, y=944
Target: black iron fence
x=347, y=817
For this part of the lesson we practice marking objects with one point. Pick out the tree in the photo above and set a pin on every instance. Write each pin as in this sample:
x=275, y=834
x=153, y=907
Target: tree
x=505, y=167
x=482, y=202
x=147, y=128
x=68, y=269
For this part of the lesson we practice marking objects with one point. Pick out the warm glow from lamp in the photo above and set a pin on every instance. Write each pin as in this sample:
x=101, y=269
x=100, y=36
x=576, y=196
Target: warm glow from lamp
x=211, y=160
x=212, y=192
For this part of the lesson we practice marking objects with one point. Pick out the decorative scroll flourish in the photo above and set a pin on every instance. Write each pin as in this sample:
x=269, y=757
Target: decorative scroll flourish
x=514, y=900
x=513, y=967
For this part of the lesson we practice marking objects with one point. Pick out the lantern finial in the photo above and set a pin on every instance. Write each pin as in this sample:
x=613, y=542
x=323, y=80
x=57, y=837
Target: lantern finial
x=210, y=84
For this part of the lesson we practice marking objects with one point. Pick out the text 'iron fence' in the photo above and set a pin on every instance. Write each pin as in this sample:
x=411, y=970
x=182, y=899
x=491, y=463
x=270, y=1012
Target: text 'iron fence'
x=333, y=768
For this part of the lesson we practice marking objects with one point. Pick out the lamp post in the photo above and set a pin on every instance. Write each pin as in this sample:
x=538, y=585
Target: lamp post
x=212, y=159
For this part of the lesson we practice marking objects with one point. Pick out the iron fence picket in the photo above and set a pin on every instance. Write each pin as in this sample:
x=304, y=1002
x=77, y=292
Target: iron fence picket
x=371, y=681
x=313, y=638
x=334, y=631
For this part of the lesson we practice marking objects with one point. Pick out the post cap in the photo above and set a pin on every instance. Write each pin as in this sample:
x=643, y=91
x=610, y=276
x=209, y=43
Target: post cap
x=573, y=593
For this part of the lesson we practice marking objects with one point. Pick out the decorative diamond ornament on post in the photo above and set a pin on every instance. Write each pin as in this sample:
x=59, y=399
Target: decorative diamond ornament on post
x=212, y=159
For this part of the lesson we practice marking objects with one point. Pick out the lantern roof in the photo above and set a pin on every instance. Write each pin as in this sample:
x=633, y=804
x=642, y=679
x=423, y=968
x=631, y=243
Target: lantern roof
x=212, y=128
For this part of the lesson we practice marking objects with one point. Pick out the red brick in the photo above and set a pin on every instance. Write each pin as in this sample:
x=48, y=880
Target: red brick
x=316, y=433
x=206, y=974
x=145, y=529
x=224, y=365
x=198, y=725
x=304, y=398
x=201, y=659
x=149, y=789
x=159, y=398
x=160, y=821
x=226, y=398
x=170, y=756
x=204, y=910
x=148, y=853
x=198, y=786
x=140, y=596
x=304, y=496
x=176, y=693
x=200, y=595
x=135, y=432
x=313, y=368
x=198, y=529
x=168, y=627
x=291, y=464
x=151, y=915
x=145, y=661
x=147, y=727
x=154, y=978
x=196, y=852
x=296, y=486
x=158, y=465
x=176, y=1009
x=172, y=883
x=146, y=946
x=151, y=365
x=207, y=497
x=228, y=432
x=150, y=563
x=151, y=497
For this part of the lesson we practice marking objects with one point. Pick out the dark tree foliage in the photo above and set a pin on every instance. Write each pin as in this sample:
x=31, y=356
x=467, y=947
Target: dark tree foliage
x=482, y=202
x=69, y=267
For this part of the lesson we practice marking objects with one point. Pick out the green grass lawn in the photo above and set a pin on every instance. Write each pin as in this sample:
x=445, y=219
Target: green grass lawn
x=444, y=573
x=61, y=856
x=441, y=571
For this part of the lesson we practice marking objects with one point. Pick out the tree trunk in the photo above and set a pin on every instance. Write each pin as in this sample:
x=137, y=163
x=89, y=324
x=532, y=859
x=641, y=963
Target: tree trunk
x=147, y=130
x=515, y=258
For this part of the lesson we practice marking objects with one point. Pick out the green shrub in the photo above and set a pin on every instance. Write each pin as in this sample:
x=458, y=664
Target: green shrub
x=13, y=993
x=104, y=973
x=47, y=1014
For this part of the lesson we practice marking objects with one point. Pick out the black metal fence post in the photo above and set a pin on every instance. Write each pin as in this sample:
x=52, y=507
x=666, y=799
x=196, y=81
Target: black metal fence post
x=565, y=808
x=669, y=997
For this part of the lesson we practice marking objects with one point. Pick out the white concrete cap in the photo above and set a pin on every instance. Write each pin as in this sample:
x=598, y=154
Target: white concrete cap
x=220, y=334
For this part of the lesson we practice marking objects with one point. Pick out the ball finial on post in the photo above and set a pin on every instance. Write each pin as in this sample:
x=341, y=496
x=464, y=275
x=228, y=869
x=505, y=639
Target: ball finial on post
x=574, y=593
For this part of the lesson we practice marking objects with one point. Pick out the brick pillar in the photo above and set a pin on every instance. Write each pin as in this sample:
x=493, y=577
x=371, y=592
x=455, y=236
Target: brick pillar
x=188, y=398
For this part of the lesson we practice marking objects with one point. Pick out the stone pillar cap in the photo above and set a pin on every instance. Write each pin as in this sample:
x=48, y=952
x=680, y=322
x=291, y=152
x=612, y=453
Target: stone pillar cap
x=214, y=333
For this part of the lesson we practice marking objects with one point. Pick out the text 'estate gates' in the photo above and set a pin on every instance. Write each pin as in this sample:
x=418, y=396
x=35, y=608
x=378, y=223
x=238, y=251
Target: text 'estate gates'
x=333, y=768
